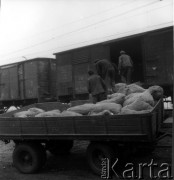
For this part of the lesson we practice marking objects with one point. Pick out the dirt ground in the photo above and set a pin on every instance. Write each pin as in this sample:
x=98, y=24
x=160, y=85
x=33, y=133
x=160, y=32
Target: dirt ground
x=74, y=166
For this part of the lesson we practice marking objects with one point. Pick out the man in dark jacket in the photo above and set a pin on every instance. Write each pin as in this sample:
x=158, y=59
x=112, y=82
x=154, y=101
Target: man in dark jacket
x=96, y=87
x=106, y=71
x=125, y=67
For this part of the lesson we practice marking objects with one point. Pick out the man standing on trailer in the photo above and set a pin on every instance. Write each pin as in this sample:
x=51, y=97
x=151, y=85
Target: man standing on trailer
x=107, y=72
x=125, y=67
x=96, y=87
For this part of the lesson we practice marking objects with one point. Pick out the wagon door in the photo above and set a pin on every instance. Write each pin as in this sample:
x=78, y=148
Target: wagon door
x=159, y=58
x=80, y=62
x=64, y=75
x=13, y=80
x=5, y=84
x=52, y=78
x=9, y=83
x=21, y=81
x=31, y=80
x=44, y=83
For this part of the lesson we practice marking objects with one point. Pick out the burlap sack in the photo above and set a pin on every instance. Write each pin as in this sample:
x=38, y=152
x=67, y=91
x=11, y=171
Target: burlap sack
x=112, y=107
x=145, y=96
x=82, y=109
x=138, y=105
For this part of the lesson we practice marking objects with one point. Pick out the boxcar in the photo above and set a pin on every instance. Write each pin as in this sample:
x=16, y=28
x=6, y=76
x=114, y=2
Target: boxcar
x=151, y=52
x=27, y=81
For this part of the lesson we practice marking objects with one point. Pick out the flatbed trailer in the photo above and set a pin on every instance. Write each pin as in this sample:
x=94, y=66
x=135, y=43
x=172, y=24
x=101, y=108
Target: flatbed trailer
x=106, y=134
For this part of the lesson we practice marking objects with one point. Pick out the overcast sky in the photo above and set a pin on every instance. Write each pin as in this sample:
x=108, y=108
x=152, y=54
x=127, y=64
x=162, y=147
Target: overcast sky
x=39, y=28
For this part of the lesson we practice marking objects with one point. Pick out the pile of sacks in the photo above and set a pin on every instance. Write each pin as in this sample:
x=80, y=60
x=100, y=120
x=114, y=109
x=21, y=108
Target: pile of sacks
x=37, y=112
x=128, y=99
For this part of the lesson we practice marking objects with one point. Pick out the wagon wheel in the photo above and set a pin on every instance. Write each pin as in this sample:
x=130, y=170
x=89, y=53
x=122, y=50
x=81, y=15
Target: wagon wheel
x=96, y=152
x=27, y=158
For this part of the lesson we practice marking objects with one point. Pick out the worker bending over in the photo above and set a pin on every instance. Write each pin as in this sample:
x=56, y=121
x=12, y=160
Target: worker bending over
x=106, y=71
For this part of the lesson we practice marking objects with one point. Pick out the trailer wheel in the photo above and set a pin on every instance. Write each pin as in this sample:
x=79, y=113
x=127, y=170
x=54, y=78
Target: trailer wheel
x=96, y=152
x=27, y=158
x=59, y=147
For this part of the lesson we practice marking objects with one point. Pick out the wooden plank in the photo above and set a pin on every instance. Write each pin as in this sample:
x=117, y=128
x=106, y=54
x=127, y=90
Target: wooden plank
x=5, y=84
x=64, y=74
x=81, y=55
x=33, y=126
x=122, y=121
x=91, y=126
x=60, y=125
x=9, y=126
x=31, y=79
x=13, y=78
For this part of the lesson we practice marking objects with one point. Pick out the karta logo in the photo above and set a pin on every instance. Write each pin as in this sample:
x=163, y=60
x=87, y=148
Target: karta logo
x=135, y=171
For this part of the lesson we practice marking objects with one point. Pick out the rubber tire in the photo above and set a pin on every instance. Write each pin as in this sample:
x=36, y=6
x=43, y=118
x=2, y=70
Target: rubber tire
x=36, y=158
x=60, y=147
x=106, y=150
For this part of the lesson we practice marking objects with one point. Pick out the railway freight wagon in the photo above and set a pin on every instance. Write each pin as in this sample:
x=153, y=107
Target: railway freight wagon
x=151, y=52
x=27, y=82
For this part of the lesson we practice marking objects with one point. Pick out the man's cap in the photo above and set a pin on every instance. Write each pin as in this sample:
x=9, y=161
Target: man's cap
x=122, y=52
